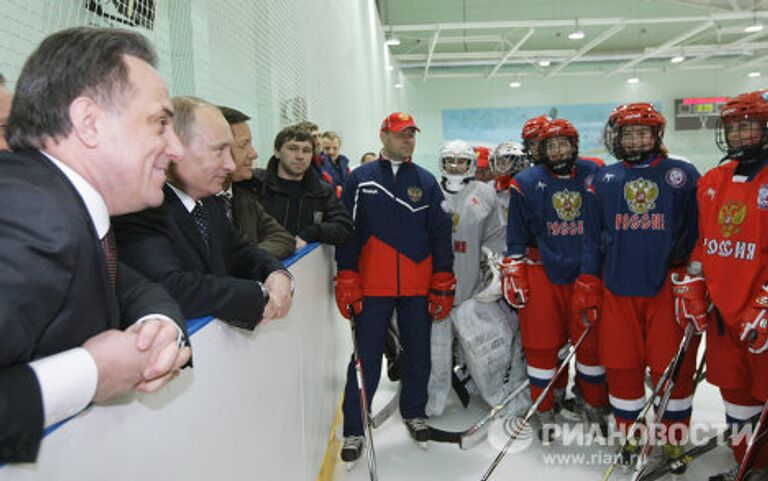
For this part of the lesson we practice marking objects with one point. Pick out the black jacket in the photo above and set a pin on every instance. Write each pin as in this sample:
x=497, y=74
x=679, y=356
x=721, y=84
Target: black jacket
x=55, y=291
x=165, y=245
x=322, y=216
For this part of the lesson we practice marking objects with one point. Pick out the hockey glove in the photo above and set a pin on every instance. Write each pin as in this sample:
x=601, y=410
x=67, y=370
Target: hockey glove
x=587, y=298
x=349, y=293
x=691, y=301
x=442, y=288
x=754, y=323
x=514, y=282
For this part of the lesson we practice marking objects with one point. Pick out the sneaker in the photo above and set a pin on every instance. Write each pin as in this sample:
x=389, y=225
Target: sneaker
x=545, y=426
x=352, y=448
x=597, y=416
x=418, y=429
x=672, y=452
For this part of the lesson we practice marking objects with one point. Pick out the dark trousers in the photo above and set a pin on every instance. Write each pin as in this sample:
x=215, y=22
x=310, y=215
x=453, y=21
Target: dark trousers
x=415, y=330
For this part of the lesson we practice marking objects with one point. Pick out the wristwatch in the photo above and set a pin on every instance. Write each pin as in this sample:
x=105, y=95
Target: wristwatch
x=264, y=292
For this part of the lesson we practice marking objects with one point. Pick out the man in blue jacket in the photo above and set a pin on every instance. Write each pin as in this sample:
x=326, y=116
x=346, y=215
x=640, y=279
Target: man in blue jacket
x=399, y=258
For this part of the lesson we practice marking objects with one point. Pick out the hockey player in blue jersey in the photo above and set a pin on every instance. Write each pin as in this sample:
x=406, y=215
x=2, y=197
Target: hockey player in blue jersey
x=641, y=224
x=544, y=239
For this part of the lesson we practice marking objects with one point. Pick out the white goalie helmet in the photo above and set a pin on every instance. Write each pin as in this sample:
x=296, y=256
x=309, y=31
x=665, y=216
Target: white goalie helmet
x=508, y=159
x=491, y=274
x=458, y=163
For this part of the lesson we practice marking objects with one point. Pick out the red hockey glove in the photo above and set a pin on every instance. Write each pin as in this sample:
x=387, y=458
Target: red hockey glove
x=691, y=301
x=754, y=323
x=514, y=282
x=349, y=293
x=442, y=288
x=587, y=298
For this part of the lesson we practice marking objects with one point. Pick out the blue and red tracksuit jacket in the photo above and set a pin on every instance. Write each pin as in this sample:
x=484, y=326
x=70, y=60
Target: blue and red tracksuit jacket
x=402, y=229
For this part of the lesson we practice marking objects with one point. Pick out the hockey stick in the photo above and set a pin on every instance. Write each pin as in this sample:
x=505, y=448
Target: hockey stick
x=644, y=457
x=380, y=417
x=644, y=411
x=473, y=435
x=687, y=457
x=746, y=461
x=532, y=410
x=367, y=424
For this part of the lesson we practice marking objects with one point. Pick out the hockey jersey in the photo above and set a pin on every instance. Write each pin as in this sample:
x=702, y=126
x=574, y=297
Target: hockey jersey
x=501, y=186
x=550, y=210
x=402, y=229
x=475, y=223
x=641, y=219
x=733, y=236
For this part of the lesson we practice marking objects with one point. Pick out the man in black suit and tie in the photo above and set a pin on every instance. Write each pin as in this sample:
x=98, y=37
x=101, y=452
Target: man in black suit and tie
x=189, y=245
x=90, y=131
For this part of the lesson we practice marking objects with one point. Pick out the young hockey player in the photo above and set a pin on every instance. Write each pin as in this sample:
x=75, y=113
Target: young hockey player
x=506, y=161
x=400, y=259
x=547, y=206
x=733, y=250
x=475, y=223
x=641, y=223
x=532, y=129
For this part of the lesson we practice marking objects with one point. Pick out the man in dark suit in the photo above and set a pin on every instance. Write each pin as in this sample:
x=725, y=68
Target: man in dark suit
x=189, y=245
x=88, y=130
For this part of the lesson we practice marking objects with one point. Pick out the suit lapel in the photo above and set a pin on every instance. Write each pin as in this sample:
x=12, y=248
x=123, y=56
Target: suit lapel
x=108, y=292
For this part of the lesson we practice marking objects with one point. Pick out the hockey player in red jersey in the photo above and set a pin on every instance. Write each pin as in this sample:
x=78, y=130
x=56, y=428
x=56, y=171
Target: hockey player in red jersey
x=544, y=243
x=733, y=253
x=640, y=226
x=506, y=161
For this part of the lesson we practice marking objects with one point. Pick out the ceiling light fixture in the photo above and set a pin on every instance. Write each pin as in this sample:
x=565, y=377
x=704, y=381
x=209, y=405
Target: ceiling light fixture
x=577, y=34
x=515, y=84
x=677, y=59
x=390, y=68
x=633, y=80
x=399, y=85
x=755, y=27
x=754, y=74
x=545, y=63
x=392, y=41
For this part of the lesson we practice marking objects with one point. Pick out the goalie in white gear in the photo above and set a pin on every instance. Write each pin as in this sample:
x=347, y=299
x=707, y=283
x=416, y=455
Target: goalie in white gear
x=476, y=224
x=507, y=159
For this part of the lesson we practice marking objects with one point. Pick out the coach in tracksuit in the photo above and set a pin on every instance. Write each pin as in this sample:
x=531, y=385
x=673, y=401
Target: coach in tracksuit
x=400, y=258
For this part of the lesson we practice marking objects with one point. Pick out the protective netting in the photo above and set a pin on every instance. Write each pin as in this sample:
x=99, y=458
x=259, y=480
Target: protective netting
x=280, y=61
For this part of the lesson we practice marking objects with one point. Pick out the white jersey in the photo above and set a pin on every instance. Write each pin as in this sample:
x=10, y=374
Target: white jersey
x=502, y=198
x=476, y=223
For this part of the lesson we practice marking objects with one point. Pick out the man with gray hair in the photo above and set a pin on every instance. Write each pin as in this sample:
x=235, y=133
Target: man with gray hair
x=89, y=127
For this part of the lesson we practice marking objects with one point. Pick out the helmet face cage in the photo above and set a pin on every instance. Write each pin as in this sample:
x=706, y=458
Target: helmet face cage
x=454, y=151
x=633, y=114
x=532, y=130
x=556, y=129
x=741, y=132
x=508, y=159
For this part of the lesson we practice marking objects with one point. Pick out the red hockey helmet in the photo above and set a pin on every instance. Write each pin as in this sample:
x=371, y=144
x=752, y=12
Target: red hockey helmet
x=559, y=128
x=742, y=130
x=532, y=129
x=640, y=113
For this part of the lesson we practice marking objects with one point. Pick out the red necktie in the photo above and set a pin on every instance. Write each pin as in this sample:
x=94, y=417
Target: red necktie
x=109, y=248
